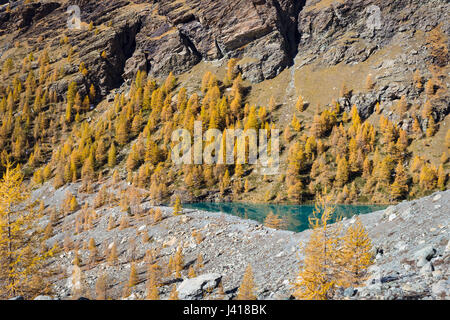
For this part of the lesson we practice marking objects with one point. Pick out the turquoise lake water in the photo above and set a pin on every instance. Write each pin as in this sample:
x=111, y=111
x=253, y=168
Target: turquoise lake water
x=296, y=216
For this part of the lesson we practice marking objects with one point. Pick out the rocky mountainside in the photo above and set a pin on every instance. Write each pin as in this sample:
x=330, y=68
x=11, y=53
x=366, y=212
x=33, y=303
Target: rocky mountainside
x=411, y=241
x=269, y=35
x=332, y=54
x=388, y=59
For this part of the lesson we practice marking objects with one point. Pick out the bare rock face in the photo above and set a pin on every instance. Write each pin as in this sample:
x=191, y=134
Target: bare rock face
x=174, y=36
x=364, y=26
x=260, y=30
x=138, y=62
x=349, y=32
x=26, y=16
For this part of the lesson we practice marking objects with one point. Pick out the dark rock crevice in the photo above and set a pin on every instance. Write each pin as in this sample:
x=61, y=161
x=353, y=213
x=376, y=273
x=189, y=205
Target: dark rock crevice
x=288, y=16
x=120, y=46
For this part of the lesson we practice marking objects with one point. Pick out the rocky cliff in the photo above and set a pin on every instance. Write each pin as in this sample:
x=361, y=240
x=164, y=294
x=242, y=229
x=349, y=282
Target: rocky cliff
x=270, y=35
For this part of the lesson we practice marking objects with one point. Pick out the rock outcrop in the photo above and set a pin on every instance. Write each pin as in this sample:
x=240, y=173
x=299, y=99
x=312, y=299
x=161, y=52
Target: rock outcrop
x=195, y=288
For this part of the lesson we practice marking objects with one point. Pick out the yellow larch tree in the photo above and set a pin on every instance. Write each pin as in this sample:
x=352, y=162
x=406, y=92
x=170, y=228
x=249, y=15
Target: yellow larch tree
x=231, y=72
x=178, y=261
x=173, y=293
x=400, y=186
x=177, y=209
x=21, y=256
x=112, y=257
x=442, y=177
x=357, y=254
x=101, y=287
x=134, y=278
x=247, y=288
x=152, y=283
x=191, y=272
x=342, y=173
x=319, y=272
x=299, y=105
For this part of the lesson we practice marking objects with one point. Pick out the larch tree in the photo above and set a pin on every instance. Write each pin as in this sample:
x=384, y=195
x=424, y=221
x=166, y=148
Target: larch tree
x=73, y=204
x=402, y=105
x=272, y=104
x=225, y=182
x=231, y=72
x=246, y=186
x=357, y=254
x=430, y=87
x=295, y=123
x=342, y=173
x=437, y=45
x=319, y=272
x=112, y=156
x=417, y=129
x=418, y=80
x=299, y=105
x=428, y=177
x=173, y=293
x=247, y=288
x=20, y=250
x=112, y=257
x=369, y=82
x=178, y=261
x=431, y=127
x=122, y=134
x=177, y=209
x=191, y=272
x=134, y=278
x=427, y=109
x=152, y=283
x=400, y=186
x=442, y=177
x=101, y=287
x=93, y=251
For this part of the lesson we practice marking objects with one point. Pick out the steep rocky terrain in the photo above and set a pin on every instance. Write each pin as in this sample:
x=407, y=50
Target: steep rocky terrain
x=411, y=241
x=324, y=51
x=165, y=36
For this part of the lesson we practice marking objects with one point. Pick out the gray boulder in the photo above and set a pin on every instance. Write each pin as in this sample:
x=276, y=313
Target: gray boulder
x=192, y=289
x=350, y=292
x=427, y=269
x=424, y=255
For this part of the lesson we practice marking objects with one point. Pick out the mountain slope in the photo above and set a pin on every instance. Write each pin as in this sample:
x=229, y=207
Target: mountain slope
x=389, y=60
